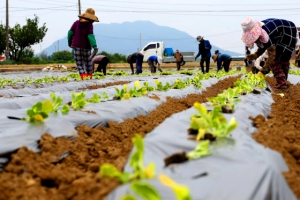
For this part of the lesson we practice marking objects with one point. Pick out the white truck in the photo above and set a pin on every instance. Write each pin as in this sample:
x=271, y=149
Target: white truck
x=158, y=49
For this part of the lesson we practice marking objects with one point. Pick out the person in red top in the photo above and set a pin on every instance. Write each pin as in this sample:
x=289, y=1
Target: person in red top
x=82, y=39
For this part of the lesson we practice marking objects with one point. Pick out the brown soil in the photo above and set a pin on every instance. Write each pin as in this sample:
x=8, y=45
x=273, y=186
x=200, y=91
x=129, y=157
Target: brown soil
x=281, y=131
x=10, y=68
x=93, y=87
x=48, y=175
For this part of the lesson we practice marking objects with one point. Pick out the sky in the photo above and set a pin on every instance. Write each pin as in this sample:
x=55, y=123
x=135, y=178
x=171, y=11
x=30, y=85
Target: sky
x=217, y=20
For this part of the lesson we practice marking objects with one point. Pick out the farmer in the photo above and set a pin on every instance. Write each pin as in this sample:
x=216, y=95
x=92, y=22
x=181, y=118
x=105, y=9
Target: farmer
x=153, y=61
x=102, y=62
x=204, y=51
x=222, y=59
x=179, y=57
x=278, y=37
x=136, y=58
x=247, y=63
x=82, y=39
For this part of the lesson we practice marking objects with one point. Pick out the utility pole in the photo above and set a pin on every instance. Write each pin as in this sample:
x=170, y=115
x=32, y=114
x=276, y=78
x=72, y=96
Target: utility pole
x=79, y=7
x=140, y=41
x=7, y=48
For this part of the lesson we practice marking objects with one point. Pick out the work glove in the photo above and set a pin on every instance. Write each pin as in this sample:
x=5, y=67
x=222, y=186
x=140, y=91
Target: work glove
x=260, y=74
x=254, y=70
x=265, y=70
x=251, y=57
x=94, y=53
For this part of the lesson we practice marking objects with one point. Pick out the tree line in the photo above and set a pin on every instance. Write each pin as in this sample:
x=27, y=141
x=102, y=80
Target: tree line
x=22, y=37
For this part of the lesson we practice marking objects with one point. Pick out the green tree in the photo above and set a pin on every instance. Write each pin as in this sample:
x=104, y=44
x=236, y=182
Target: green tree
x=62, y=56
x=114, y=58
x=21, y=37
x=2, y=38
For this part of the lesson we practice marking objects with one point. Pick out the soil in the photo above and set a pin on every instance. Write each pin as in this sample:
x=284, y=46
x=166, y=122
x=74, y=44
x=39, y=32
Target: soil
x=75, y=175
x=176, y=158
x=93, y=87
x=281, y=131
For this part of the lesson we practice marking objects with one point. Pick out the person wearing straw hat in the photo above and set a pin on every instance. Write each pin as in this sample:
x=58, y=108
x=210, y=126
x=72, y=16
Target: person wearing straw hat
x=278, y=37
x=204, y=52
x=222, y=59
x=153, y=61
x=82, y=39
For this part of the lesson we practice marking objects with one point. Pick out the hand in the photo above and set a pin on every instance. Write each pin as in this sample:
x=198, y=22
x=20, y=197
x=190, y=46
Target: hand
x=251, y=57
x=265, y=70
x=254, y=70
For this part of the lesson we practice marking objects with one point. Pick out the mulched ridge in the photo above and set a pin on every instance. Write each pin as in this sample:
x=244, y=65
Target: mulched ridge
x=45, y=176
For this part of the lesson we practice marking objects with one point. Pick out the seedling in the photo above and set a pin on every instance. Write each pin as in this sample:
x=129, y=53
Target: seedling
x=78, y=101
x=161, y=87
x=39, y=112
x=136, y=162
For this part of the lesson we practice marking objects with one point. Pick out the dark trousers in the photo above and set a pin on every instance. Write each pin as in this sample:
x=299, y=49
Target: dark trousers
x=178, y=65
x=102, y=65
x=139, y=65
x=226, y=64
x=207, y=62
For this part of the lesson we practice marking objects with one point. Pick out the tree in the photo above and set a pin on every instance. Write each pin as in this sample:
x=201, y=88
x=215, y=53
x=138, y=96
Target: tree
x=62, y=56
x=21, y=37
x=2, y=38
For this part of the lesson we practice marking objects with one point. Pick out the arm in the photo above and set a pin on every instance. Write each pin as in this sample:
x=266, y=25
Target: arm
x=255, y=55
x=199, y=51
x=219, y=63
x=70, y=37
x=207, y=45
x=92, y=40
x=259, y=59
x=271, y=58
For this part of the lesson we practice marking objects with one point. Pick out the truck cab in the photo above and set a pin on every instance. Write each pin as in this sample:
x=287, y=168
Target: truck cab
x=153, y=48
x=158, y=49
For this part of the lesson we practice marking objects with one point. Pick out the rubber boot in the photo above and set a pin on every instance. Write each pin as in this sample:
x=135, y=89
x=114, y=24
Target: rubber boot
x=281, y=83
x=83, y=76
x=90, y=75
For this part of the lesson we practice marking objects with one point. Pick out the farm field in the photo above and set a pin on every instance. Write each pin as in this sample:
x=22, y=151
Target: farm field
x=148, y=136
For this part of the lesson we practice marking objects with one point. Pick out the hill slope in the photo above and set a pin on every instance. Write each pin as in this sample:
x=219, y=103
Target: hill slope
x=127, y=37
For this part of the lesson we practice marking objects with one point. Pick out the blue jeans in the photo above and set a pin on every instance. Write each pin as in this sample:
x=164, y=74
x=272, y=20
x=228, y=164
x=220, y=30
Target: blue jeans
x=139, y=64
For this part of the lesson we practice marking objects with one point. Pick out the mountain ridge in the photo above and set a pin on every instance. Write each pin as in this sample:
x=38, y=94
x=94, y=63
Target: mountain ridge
x=135, y=35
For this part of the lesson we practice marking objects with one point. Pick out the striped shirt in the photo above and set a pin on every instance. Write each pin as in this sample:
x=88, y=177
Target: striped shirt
x=283, y=35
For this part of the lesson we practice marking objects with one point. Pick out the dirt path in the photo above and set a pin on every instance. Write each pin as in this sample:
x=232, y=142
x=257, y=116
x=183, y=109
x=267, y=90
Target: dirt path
x=43, y=175
x=281, y=131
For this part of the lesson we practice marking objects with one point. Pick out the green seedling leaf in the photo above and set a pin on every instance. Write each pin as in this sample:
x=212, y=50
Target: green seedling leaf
x=65, y=109
x=128, y=197
x=200, y=151
x=108, y=170
x=281, y=94
x=145, y=190
x=182, y=192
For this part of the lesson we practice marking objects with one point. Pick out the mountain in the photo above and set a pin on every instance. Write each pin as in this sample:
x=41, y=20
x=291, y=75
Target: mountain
x=127, y=37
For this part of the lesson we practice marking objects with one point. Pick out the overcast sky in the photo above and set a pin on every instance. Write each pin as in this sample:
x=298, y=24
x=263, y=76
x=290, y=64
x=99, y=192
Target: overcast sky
x=216, y=20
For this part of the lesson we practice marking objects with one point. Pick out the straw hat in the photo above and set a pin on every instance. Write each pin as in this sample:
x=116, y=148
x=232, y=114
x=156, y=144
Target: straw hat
x=89, y=14
x=199, y=38
x=252, y=30
x=214, y=57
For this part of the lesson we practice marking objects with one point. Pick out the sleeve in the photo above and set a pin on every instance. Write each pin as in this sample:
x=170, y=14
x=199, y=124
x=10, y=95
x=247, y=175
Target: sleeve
x=199, y=51
x=208, y=46
x=219, y=63
x=92, y=40
x=269, y=62
x=70, y=37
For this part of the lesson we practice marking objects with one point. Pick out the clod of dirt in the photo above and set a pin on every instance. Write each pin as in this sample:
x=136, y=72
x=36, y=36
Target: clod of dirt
x=255, y=91
x=257, y=120
x=244, y=92
x=176, y=158
x=192, y=131
x=226, y=109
